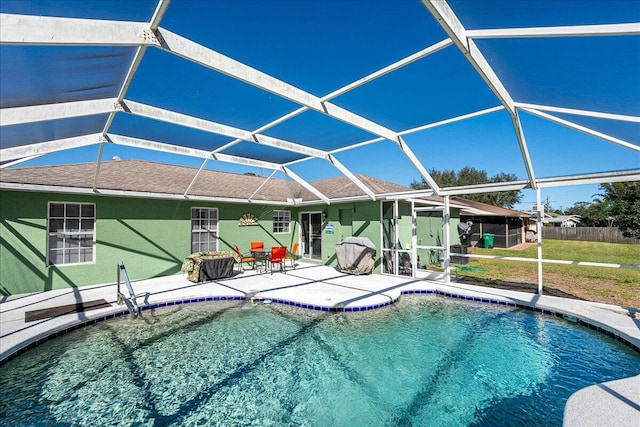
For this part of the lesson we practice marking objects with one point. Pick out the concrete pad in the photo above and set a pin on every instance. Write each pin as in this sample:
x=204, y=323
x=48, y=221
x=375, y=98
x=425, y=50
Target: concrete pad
x=614, y=403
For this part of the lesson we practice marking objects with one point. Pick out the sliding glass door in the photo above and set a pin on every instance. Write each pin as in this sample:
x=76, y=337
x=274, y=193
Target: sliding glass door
x=311, y=231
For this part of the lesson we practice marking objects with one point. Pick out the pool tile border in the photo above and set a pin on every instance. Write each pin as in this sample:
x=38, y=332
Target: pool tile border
x=346, y=309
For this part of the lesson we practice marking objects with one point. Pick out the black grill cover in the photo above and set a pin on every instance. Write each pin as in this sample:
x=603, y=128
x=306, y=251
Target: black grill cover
x=356, y=255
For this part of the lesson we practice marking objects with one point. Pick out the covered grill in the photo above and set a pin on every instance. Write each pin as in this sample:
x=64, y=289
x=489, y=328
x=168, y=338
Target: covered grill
x=356, y=255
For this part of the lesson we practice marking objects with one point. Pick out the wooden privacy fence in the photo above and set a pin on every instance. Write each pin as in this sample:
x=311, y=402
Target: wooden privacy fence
x=587, y=234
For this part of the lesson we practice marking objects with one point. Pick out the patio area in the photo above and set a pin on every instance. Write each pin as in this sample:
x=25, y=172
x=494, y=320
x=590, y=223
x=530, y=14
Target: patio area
x=308, y=286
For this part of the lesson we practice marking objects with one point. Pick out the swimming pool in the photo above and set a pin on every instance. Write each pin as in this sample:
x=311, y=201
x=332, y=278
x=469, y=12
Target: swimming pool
x=422, y=361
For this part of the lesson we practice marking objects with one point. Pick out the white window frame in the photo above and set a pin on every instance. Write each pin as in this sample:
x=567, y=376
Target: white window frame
x=198, y=229
x=281, y=222
x=69, y=233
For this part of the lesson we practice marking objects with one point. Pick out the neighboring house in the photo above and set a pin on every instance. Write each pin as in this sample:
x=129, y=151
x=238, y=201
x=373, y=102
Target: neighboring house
x=556, y=220
x=58, y=229
x=509, y=227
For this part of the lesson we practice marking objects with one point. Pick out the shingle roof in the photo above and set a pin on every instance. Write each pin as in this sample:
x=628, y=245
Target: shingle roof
x=150, y=177
x=476, y=208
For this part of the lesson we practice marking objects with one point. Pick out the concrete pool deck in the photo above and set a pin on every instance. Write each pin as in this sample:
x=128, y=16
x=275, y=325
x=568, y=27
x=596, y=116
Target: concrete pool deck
x=324, y=288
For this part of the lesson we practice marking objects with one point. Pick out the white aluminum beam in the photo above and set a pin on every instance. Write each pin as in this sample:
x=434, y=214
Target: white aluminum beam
x=167, y=116
x=486, y=188
x=335, y=162
x=192, y=152
x=189, y=50
x=180, y=119
x=452, y=120
x=418, y=165
x=262, y=185
x=158, y=14
x=595, y=178
x=13, y=153
x=288, y=172
x=583, y=129
x=54, y=31
x=573, y=111
x=17, y=162
x=631, y=29
x=195, y=177
x=453, y=27
x=290, y=146
x=63, y=110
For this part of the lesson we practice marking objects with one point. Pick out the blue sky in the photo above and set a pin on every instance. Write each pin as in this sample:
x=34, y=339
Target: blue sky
x=320, y=46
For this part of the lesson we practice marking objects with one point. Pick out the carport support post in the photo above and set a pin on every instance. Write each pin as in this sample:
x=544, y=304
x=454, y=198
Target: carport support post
x=445, y=241
x=539, y=228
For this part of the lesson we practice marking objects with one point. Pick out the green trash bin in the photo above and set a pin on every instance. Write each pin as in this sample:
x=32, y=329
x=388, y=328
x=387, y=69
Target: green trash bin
x=488, y=240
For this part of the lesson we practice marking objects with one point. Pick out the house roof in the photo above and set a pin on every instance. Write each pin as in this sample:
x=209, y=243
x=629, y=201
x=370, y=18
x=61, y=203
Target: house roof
x=475, y=208
x=151, y=179
x=291, y=87
x=559, y=219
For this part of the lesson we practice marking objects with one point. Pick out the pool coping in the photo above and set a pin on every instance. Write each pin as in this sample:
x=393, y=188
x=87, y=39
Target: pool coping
x=311, y=287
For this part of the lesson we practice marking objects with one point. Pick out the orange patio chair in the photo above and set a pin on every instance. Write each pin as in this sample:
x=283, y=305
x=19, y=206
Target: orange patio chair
x=257, y=246
x=278, y=256
x=244, y=259
x=293, y=255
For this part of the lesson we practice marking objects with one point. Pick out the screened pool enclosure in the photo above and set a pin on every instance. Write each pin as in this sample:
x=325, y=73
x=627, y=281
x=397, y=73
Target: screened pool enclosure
x=301, y=91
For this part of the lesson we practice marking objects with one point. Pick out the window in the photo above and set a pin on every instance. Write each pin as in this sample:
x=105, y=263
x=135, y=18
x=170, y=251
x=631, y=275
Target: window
x=204, y=229
x=71, y=230
x=281, y=220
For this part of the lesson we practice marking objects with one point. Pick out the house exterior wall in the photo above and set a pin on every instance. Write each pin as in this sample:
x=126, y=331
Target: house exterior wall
x=364, y=222
x=153, y=236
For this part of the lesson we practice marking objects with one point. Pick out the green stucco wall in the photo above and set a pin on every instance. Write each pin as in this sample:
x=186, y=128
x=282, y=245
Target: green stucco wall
x=365, y=222
x=153, y=236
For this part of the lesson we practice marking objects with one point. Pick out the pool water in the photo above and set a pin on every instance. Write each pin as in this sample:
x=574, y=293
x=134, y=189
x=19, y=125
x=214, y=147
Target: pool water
x=424, y=361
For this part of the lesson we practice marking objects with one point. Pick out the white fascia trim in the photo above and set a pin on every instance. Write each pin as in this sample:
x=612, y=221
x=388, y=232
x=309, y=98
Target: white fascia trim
x=288, y=172
x=409, y=195
x=583, y=129
x=630, y=29
x=13, y=153
x=63, y=110
x=127, y=193
x=572, y=111
x=55, y=31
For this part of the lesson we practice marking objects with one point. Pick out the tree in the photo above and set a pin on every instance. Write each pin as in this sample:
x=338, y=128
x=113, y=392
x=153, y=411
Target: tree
x=624, y=201
x=472, y=176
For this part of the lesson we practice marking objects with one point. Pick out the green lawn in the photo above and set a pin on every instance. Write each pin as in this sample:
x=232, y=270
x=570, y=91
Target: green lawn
x=609, y=285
